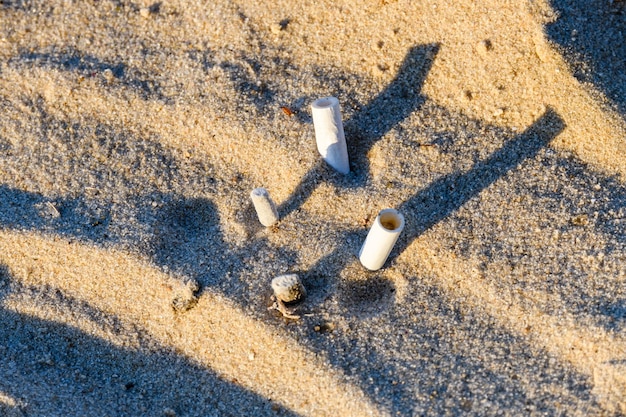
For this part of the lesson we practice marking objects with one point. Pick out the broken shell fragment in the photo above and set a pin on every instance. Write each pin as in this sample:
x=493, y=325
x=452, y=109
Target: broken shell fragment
x=288, y=288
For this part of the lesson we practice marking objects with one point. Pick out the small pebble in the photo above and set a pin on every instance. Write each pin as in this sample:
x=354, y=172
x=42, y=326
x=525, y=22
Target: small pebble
x=275, y=28
x=326, y=327
x=144, y=12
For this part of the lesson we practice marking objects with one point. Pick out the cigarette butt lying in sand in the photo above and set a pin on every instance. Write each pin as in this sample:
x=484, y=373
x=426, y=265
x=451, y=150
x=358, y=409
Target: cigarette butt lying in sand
x=264, y=206
x=380, y=240
x=331, y=142
x=287, y=289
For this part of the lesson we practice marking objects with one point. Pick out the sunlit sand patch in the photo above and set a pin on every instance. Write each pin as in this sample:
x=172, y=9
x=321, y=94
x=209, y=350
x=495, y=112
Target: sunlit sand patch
x=215, y=333
x=591, y=350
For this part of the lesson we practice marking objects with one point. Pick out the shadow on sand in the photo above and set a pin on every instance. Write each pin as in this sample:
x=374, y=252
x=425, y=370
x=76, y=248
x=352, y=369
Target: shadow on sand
x=592, y=37
x=79, y=373
x=184, y=234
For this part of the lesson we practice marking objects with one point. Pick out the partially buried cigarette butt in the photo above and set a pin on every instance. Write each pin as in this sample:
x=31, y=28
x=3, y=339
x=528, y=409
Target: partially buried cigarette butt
x=380, y=240
x=264, y=206
x=288, y=288
x=329, y=135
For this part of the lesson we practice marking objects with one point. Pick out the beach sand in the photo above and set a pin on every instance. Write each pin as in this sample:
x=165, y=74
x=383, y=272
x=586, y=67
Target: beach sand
x=135, y=276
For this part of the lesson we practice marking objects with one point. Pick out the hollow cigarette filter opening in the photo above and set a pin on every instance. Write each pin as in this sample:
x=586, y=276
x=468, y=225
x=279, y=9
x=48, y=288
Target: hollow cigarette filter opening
x=264, y=206
x=391, y=220
x=326, y=102
x=329, y=135
x=381, y=238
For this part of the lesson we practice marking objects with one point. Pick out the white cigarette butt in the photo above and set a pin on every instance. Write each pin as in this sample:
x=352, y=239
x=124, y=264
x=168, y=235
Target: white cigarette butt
x=331, y=141
x=380, y=240
x=288, y=288
x=264, y=206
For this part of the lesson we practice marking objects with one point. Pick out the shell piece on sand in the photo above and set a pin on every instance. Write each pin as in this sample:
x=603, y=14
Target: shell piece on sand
x=288, y=288
x=264, y=206
x=331, y=141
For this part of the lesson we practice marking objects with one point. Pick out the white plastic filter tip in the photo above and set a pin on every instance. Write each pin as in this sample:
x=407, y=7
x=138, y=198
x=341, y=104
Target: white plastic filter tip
x=381, y=238
x=288, y=288
x=331, y=141
x=264, y=206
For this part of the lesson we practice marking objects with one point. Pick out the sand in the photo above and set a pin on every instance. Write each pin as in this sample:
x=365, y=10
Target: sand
x=135, y=276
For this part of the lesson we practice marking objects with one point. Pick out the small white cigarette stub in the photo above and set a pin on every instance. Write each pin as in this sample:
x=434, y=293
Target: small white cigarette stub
x=329, y=135
x=264, y=206
x=381, y=238
x=288, y=288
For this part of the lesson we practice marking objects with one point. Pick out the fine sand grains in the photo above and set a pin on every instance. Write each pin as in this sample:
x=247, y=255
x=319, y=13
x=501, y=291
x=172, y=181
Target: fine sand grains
x=135, y=277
